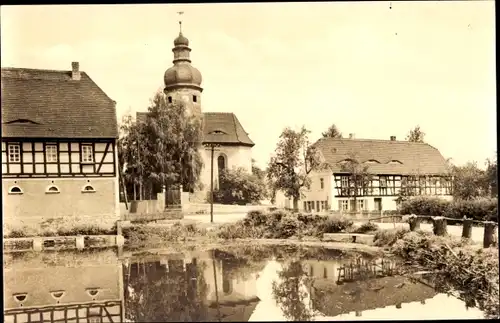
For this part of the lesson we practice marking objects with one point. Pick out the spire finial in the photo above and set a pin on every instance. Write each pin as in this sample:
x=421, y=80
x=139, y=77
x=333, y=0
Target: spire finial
x=180, y=13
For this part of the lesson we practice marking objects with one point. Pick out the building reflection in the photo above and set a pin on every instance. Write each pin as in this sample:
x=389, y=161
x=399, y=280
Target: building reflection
x=360, y=285
x=197, y=286
x=63, y=287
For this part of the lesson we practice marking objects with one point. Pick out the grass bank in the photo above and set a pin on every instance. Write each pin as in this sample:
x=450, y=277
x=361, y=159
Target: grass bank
x=469, y=272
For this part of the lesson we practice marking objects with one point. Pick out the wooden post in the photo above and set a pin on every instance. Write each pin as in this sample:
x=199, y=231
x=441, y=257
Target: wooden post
x=467, y=228
x=439, y=226
x=489, y=234
x=414, y=222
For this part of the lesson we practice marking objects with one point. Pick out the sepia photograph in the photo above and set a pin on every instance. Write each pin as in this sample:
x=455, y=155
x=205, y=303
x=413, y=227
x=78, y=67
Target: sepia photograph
x=249, y=161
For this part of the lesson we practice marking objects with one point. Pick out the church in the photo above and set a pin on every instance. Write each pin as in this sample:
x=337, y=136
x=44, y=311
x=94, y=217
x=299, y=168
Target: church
x=233, y=145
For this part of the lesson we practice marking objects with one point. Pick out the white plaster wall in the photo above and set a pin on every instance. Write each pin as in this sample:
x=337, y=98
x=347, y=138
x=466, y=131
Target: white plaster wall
x=315, y=192
x=236, y=156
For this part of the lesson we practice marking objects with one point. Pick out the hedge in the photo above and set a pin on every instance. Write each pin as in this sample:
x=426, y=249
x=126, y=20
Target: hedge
x=481, y=209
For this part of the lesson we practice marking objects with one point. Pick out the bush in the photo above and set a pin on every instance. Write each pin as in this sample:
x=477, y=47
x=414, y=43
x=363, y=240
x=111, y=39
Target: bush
x=288, y=226
x=335, y=224
x=366, y=227
x=237, y=186
x=389, y=236
x=255, y=218
x=480, y=209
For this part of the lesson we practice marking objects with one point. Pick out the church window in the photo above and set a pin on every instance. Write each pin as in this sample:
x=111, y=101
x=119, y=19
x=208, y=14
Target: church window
x=195, y=98
x=169, y=99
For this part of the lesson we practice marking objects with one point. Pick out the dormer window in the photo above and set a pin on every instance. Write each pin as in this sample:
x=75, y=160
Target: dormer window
x=372, y=161
x=217, y=132
x=395, y=161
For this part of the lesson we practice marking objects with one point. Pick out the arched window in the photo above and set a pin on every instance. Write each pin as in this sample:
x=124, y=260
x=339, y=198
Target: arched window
x=221, y=166
x=57, y=295
x=88, y=188
x=92, y=292
x=20, y=298
x=15, y=190
x=52, y=189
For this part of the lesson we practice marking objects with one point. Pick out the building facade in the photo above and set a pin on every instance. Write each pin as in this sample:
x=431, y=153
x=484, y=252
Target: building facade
x=183, y=84
x=59, y=157
x=387, y=170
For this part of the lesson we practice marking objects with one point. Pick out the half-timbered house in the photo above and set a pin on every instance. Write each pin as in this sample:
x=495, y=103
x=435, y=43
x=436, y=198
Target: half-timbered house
x=59, y=160
x=387, y=170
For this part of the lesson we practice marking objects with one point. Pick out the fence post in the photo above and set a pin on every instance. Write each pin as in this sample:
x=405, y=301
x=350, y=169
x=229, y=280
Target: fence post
x=414, y=222
x=489, y=234
x=467, y=228
x=439, y=225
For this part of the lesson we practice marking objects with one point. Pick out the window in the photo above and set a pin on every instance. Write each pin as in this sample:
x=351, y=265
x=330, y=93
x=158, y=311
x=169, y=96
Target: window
x=322, y=183
x=344, y=181
x=15, y=190
x=305, y=206
x=51, y=153
x=169, y=99
x=57, y=294
x=317, y=206
x=383, y=181
x=87, y=156
x=195, y=99
x=14, y=153
x=21, y=297
x=88, y=189
x=361, y=205
x=344, y=206
x=52, y=189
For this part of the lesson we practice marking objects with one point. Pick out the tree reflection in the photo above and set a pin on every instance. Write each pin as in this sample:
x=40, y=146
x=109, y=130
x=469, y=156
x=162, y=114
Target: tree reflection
x=154, y=294
x=290, y=294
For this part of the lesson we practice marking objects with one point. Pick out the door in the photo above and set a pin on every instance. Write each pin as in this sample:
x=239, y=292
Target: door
x=378, y=204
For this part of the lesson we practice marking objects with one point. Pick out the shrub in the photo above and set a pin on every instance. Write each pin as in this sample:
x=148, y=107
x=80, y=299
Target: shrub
x=423, y=205
x=274, y=218
x=335, y=224
x=366, y=227
x=255, y=218
x=288, y=226
x=389, y=236
x=237, y=186
x=239, y=230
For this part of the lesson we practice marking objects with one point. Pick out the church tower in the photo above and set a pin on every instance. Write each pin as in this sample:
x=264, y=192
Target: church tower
x=182, y=80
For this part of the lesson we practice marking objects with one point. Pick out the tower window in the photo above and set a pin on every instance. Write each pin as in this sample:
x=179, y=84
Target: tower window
x=169, y=99
x=195, y=98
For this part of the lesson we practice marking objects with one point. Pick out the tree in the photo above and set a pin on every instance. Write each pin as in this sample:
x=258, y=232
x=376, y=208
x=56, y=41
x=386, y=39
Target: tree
x=491, y=177
x=332, y=132
x=416, y=135
x=237, y=186
x=165, y=148
x=293, y=161
x=359, y=177
x=469, y=181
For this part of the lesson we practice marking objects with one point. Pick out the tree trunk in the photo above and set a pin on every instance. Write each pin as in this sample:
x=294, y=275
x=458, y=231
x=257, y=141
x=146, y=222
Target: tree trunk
x=414, y=223
x=295, y=204
x=439, y=226
x=489, y=234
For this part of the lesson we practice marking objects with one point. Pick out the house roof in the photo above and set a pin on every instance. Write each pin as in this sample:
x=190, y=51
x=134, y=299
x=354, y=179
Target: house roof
x=219, y=127
x=383, y=156
x=46, y=103
x=332, y=300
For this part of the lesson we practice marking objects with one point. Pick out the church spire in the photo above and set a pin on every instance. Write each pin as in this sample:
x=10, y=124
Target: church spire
x=180, y=13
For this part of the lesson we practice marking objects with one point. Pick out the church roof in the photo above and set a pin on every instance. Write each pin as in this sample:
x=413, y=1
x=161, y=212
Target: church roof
x=383, y=156
x=47, y=103
x=219, y=127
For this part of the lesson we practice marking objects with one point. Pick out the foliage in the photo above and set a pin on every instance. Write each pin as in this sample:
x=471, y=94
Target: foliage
x=142, y=235
x=416, y=135
x=491, y=176
x=165, y=148
x=281, y=224
x=389, y=236
x=359, y=177
x=474, y=273
x=290, y=292
x=366, y=227
x=237, y=186
x=60, y=230
x=470, y=181
x=332, y=132
x=293, y=161
x=480, y=209
x=334, y=224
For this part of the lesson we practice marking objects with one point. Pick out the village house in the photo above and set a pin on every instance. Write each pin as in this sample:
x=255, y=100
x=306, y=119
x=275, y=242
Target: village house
x=59, y=160
x=234, y=147
x=393, y=169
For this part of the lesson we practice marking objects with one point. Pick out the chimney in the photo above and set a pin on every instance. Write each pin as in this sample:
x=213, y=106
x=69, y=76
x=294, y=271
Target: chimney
x=393, y=138
x=75, y=71
x=351, y=136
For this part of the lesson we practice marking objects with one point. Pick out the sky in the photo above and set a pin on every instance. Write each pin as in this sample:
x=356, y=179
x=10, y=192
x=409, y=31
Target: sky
x=374, y=69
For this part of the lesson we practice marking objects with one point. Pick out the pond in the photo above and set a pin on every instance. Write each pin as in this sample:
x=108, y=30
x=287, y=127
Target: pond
x=280, y=283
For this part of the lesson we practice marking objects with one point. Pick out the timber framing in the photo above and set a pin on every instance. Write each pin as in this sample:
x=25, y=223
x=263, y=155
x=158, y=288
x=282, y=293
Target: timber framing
x=392, y=185
x=69, y=161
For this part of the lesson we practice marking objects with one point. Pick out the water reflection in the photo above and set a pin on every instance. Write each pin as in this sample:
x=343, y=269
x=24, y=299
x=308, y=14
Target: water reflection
x=63, y=287
x=217, y=285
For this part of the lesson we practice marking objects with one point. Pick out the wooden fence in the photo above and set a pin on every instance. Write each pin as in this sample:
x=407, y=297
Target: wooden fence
x=439, y=226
